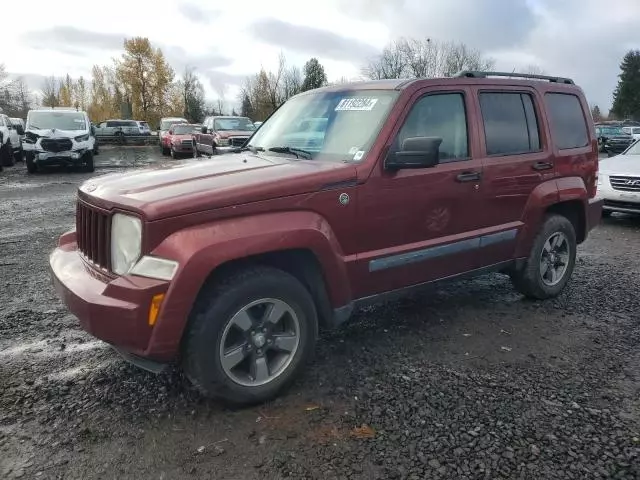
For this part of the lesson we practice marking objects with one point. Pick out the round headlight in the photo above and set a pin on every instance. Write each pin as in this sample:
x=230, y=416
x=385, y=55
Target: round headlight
x=126, y=242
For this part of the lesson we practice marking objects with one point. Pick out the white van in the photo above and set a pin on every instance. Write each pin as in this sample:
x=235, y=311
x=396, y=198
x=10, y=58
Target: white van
x=58, y=136
x=633, y=131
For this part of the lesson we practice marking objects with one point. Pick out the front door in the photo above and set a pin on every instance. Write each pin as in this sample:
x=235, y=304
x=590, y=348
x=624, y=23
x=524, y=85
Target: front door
x=418, y=225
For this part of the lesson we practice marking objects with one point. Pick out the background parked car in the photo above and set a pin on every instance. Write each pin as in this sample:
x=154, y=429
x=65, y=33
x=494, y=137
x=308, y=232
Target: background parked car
x=118, y=128
x=633, y=131
x=19, y=124
x=144, y=127
x=163, y=129
x=180, y=139
x=10, y=142
x=619, y=182
x=223, y=133
x=612, y=139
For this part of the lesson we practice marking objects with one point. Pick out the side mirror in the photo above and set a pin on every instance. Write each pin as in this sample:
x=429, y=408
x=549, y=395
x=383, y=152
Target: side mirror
x=170, y=132
x=203, y=130
x=9, y=126
x=20, y=129
x=415, y=152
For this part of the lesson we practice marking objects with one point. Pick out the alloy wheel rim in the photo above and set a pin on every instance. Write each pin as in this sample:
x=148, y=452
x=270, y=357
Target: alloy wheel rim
x=259, y=342
x=554, y=260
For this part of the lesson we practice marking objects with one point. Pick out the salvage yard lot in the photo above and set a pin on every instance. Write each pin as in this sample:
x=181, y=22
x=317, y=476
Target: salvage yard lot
x=468, y=381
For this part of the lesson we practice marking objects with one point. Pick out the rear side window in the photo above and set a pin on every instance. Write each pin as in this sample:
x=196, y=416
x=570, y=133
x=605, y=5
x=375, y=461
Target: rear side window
x=510, y=123
x=567, y=121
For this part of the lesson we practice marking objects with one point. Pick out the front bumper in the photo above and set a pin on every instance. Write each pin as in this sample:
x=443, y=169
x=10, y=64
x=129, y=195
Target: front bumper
x=114, y=310
x=617, y=200
x=183, y=148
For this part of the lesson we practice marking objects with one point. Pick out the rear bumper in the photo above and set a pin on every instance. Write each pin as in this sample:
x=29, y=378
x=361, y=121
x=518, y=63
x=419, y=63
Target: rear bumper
x=114, y=310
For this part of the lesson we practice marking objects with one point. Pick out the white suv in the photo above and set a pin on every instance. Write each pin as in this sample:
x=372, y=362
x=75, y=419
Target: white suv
x=619, y=182
x=58, y=136
x=10, y=142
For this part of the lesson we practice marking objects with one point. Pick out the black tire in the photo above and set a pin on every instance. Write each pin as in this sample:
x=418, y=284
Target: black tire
x=18, y=155
x=173, y=154
x=606, y=213
x=528, y=279
x=204, y=335
x=165, y=151
x=6, y=155
x=96, y=148
x=120, y=138
x=610, y=154
x=32, y=166
x=89, y=165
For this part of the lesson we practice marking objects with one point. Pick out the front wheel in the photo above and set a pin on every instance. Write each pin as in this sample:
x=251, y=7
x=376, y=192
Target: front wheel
x=19, y=154
x=551, y=260
x=6, y=155
x=252, y=337
x=88, y=162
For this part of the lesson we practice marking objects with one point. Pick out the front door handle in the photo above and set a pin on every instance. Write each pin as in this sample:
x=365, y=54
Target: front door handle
x=542, y=166
x=468, y=177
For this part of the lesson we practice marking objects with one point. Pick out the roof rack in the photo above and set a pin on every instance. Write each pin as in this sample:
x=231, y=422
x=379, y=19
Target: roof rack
x=476, y=74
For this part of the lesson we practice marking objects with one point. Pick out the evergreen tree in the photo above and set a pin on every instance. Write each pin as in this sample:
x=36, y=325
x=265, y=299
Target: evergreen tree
x=596, y=114
x=626, y=97
x=246, y=109
x=314, y=75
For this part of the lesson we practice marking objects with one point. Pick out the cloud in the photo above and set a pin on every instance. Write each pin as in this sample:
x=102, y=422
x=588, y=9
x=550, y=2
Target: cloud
x=196, y=14
x=72, y=40
x=180, y=58
x=310, y=40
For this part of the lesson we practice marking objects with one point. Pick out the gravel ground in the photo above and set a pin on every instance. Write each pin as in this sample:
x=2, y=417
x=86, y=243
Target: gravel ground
x=469, y=381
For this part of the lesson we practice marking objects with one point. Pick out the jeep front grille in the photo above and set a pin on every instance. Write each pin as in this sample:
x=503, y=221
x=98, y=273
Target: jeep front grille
x=93, y=230
x=187, y=142
x=625, y=184
x=56, y=145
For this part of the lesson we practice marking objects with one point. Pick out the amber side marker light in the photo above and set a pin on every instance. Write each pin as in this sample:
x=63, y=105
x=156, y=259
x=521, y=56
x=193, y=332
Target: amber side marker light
x=154, y=308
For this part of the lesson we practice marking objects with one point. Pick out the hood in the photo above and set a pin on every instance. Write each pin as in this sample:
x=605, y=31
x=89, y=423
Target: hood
x=56, y=133
x=182, y=136
x=197, y=185
x=234, y=133
x=624, y=138
x=623, y=165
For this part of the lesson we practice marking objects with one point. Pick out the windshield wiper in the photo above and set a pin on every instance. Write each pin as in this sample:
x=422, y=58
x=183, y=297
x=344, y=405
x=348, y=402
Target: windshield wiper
x=298, y=152
x=35, y=127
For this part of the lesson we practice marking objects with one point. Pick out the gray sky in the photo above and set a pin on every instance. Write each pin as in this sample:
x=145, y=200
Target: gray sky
x=225, y=41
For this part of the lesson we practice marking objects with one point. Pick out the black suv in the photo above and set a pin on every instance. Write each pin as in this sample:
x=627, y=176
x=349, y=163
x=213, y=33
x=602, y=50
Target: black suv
x=612, y=139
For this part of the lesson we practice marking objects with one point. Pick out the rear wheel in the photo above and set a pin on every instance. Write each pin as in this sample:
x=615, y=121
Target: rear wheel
x=251, y=337
x=32, y=166
x=551, y=260
x=19, y=154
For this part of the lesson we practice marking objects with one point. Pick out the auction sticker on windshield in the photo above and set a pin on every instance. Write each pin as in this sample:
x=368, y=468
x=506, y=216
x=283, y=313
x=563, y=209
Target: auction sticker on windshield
x=356, y=104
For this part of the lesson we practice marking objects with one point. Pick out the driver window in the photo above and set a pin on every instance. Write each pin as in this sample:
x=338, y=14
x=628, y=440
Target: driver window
x=439, y=115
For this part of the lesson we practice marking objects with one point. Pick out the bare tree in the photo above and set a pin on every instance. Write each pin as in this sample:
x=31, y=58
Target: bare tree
x=51, y=92
x=533, y=70
x=291, y=83
x=427, y=58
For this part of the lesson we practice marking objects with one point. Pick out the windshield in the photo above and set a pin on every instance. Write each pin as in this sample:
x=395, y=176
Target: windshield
x=612, y=131
x=182, y=129
x=166, y=124
x=60, y=120
x=334, y=126
x=233, y=123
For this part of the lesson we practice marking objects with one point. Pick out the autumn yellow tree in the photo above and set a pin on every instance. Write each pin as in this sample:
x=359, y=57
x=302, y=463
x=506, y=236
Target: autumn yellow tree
x=102, y=106
x=66, y=91
x=145, y=78
x=81, y=94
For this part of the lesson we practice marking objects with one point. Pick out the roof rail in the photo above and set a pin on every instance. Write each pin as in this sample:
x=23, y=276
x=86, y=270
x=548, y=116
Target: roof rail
x=476, y=74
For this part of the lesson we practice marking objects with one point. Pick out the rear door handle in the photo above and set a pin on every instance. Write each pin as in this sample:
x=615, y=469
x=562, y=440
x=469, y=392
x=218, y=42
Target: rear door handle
x=468, y=177
x=542, y=166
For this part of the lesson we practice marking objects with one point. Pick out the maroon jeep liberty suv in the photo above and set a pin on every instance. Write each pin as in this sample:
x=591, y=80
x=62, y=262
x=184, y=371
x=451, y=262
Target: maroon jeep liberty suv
x=230, y=267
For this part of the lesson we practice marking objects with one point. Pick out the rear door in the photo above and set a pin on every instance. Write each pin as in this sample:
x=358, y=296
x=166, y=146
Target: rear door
x=516, y=158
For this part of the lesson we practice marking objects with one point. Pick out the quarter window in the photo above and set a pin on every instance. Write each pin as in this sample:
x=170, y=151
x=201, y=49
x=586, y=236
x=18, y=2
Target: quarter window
x=510, y=123
x=567, y=121
x=440, y=115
